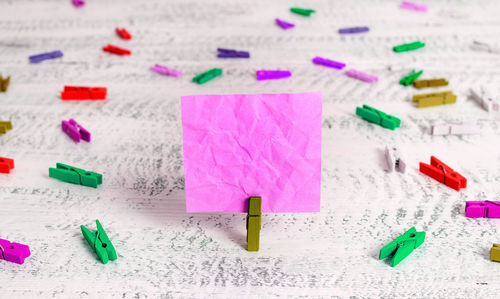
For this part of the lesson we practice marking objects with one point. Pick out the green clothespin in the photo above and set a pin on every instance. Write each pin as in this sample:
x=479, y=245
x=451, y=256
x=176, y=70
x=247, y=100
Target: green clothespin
x=100, y=242
x=408, y=47
x=4, y=83
x=408, y=79
x=75, y=175
x=5, y=126
x=302, y=11
x=378, y=117
x=402, y=246
x=253, y=223
x=207, y=76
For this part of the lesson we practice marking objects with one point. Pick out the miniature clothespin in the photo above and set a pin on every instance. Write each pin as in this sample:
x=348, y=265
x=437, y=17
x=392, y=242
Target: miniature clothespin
x=83, y=93
x=123, y=33
x=100, y=242
x=78, y=3
x=5, y=126
x=116, y=50
x=495, y=253
x=378, y=117
x=6, y=165
x=430, y=83
x=408, y=47
x=443, y=174
x=454, y=129
x=75, y=175
x=434, y=99
x=393, y=160
x=485, y=98
x=253, y=223
x=163, y=70
x=207, y=76
x=13, y=252
x=283, y=24
x=353, y=30
x=44, y=56
x=361, y=76
x=4, y=83
x=328, y=62
x=402, y=246
x=75, y=131
x=413, y=6
x=302, y=11
x=412, y=76
x=228, y=53
x=271, y=74
x=480, y=209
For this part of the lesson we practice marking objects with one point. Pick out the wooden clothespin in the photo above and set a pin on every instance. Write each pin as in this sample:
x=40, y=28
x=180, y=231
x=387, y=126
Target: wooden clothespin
x=495, y=253
x=13, y=252
x=393, y=160
x=100, y=242
x=402, y=246
x=75, y=175
x=5, y=126
x=253, y=223
x=443, y=174
x=4, y=83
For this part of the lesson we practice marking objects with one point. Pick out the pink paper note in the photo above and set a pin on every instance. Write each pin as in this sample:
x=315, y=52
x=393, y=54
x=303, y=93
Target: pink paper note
x=237, y=146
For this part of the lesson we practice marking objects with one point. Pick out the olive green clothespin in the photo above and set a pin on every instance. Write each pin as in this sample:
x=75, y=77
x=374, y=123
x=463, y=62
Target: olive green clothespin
x=4, y=83
x=100, y=242
x=253, y=223
x=5, y=126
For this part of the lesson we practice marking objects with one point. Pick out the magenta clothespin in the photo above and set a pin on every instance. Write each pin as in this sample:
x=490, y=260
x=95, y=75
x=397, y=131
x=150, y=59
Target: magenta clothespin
x=163, y=70
x=78, y=3
x=328, y=62
x=13, y=252
x=361, y=76
x=488, y=209
x=283, y=24
x=267, y=74
x=75, y=131
x=413, y=6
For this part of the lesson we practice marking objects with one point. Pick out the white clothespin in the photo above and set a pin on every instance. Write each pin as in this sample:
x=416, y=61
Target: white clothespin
x=454, y=129
x=484, y=98
x=393, y=160
x=481, y=46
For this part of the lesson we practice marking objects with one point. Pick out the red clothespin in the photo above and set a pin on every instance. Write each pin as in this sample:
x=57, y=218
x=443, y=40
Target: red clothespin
x=83, y=93
x=123, y=33
x=116, y=50
x=6, y=165
x=443, y=174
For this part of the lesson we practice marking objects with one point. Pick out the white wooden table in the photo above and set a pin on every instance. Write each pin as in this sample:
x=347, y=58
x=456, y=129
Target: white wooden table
x=163, y=252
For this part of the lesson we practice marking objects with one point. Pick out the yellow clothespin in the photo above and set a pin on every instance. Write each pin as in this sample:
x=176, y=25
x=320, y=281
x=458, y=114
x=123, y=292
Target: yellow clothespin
x=253, y=223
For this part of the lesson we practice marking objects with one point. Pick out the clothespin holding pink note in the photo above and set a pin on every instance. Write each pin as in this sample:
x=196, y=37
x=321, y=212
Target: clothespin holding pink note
x=13, y=252
x=75, y=131
x=413, y=6
x=361, y=76
x=163, y=70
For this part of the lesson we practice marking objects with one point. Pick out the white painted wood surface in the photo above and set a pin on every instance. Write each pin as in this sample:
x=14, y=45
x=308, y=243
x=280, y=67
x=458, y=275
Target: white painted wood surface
x=137, y=144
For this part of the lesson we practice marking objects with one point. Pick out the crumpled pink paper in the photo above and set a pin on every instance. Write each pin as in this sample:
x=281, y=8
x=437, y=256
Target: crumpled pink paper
x=237, y=146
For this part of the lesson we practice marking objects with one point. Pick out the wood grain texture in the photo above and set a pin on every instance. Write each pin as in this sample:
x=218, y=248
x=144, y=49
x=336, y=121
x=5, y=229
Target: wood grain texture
x=163, y=252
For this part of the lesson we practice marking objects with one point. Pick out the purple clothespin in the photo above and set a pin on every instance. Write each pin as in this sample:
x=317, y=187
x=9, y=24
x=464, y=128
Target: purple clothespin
x=75, y=131
x=488, y=209
x=44, y=56
x=163, y=70
x=328, y=62
x=283, y=24
x=13, y=252
x=78, y=3
x=353, y=30
x=361, y=76
x=228, y=53
x=413, y=6
x=267, y=75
